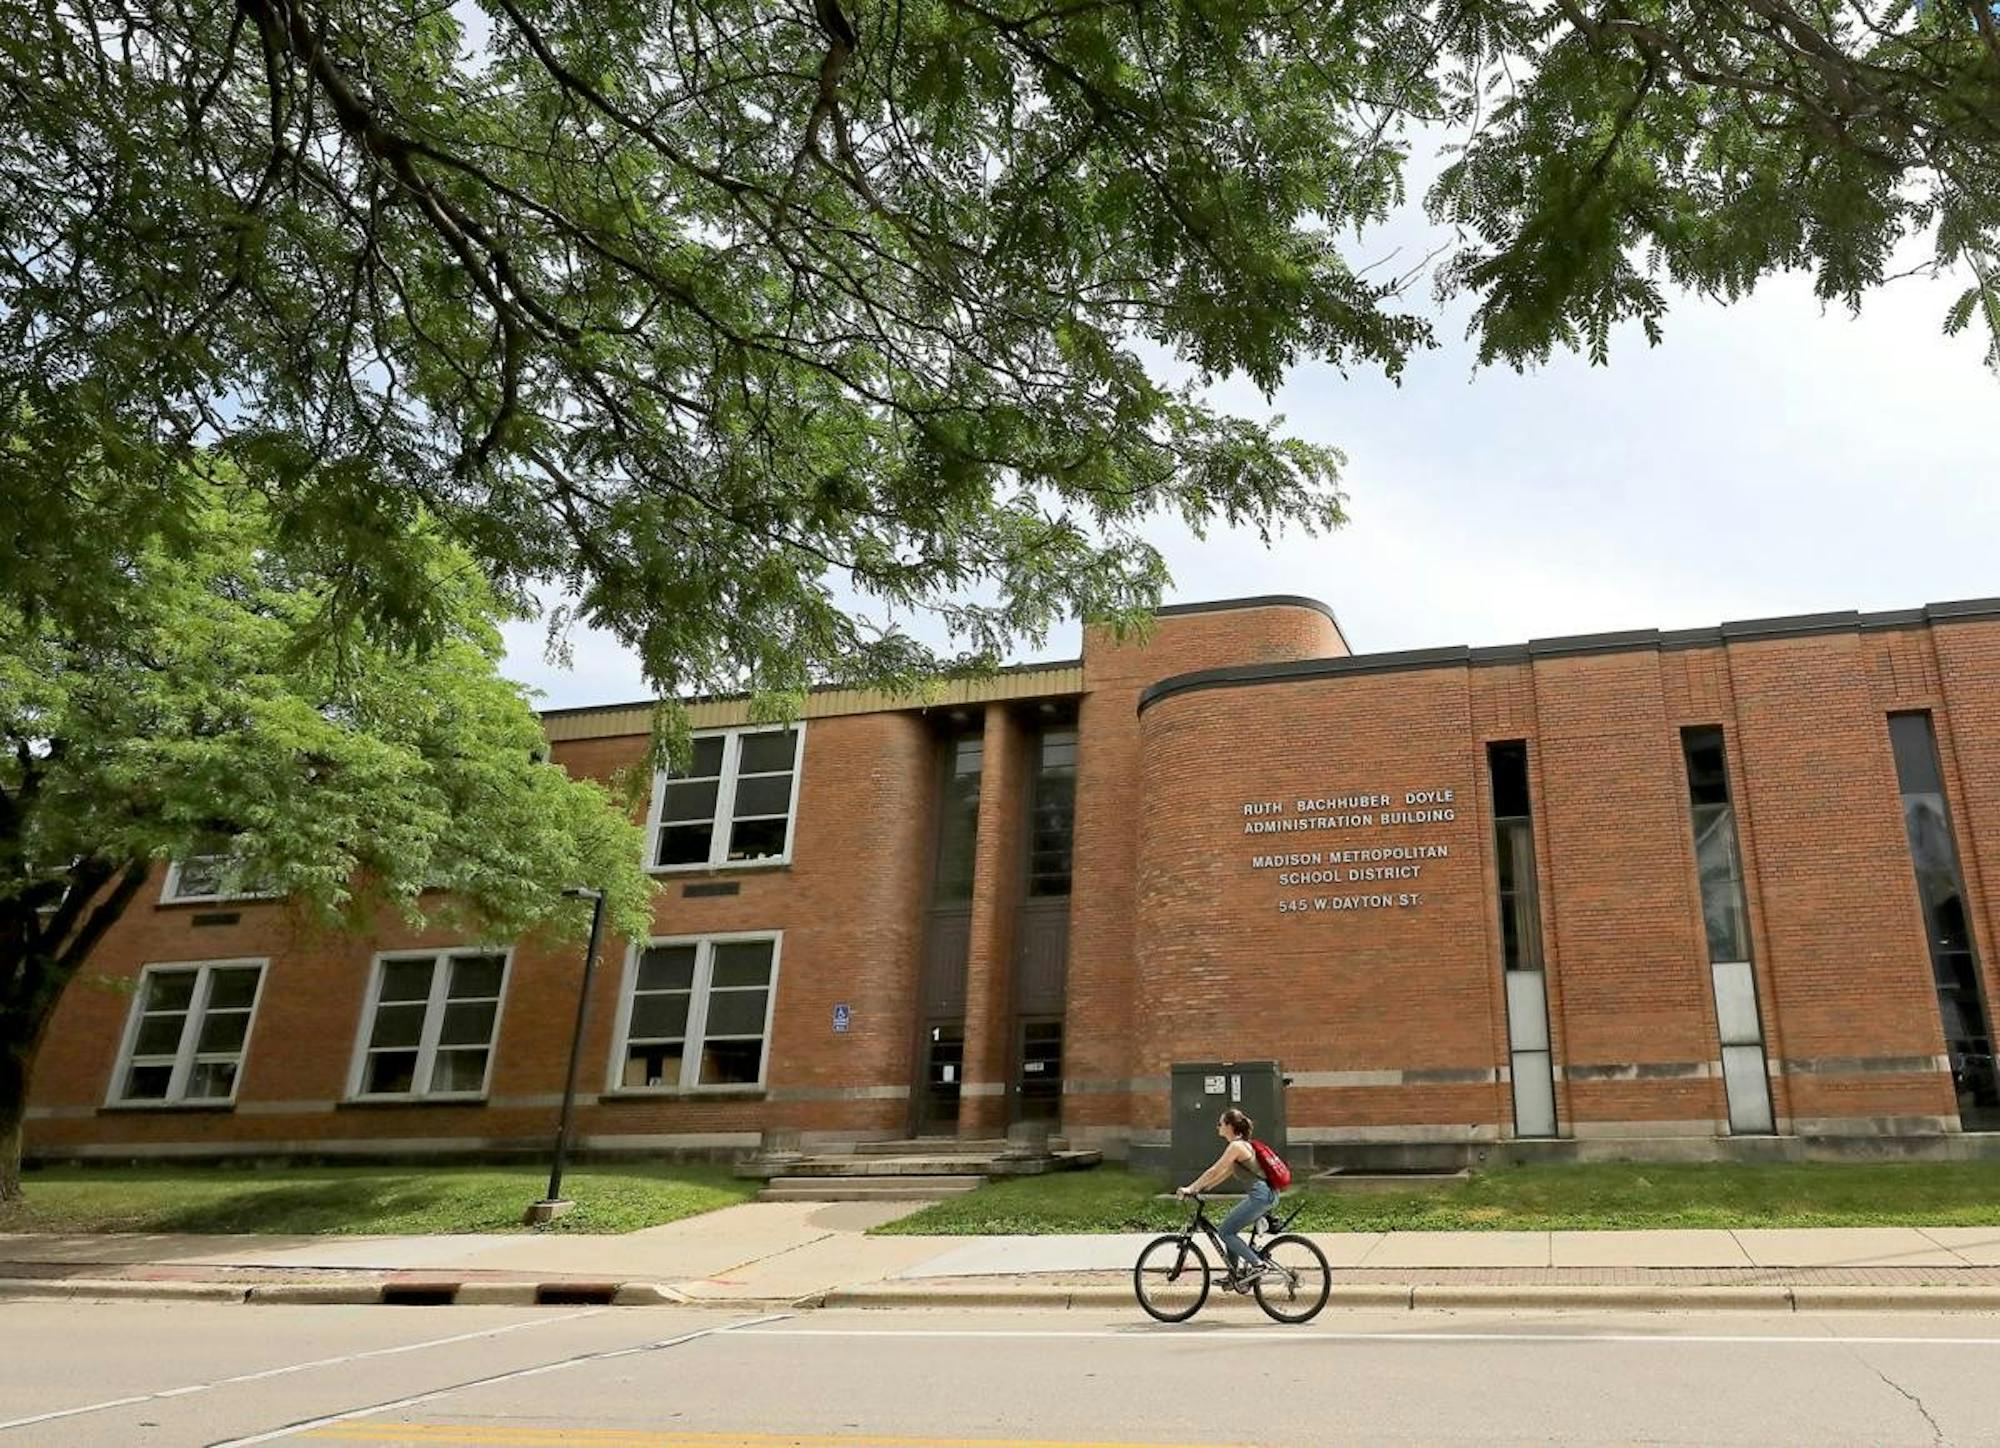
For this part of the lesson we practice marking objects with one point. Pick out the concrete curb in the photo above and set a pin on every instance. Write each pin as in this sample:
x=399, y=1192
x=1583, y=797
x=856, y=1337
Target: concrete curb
x=1636, y=1297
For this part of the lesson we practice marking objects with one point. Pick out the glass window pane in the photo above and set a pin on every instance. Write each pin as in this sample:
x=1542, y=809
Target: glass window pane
x=1508, y=764
x=148, y=1083
x=689, y=800
x=159, y=1035
x=222, y=1032
x=1736, y=1004
x=667, y=967
x=1912, y=741
x=200, y=875
x=407, y=980
x=685, y=844
x=468, y=1024
x=742, y=962
x=655, y=1017
x=1708, y=771
x=476, y=976
x=770, y=795
x=652, y=1066
x=1527, y=1011
x=398, y=1025
x=1723, y=908
x=169, y=990
x=735, y=1013
x=1747, y=1087
x=757, y=839
x=763, y=753
x=233, y=988
x=730, y=1063
x=390, y=1073
x=1534, y=1094
x=706, y=761
x=211, y=1081
x=459, y=1071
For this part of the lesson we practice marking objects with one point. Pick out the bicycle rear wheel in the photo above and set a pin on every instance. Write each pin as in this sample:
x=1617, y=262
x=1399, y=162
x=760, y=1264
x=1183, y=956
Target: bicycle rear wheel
x=1296, y=1285
x=1170, y=1278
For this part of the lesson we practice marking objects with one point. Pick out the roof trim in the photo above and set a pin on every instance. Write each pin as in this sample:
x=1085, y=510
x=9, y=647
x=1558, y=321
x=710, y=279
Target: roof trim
x=574, y=710
x=1259, y=600
x=1572, y=645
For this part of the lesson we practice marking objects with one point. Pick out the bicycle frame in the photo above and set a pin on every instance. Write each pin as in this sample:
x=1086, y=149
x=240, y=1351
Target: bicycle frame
x=1208, y=1229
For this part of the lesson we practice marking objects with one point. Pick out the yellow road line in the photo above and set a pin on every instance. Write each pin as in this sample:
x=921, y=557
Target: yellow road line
x=499, y=1436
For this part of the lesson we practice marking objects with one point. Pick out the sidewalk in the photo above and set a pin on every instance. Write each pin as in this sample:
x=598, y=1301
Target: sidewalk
x=810, y=1254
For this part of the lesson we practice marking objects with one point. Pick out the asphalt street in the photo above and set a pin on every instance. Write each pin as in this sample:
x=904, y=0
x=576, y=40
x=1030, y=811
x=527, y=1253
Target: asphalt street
x=171, y=1374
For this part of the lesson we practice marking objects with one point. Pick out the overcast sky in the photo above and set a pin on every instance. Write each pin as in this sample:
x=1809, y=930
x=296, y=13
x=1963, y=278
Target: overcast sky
x=1768, y=458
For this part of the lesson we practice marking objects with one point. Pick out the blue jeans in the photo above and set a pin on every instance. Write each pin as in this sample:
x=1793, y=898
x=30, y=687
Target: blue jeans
x=1257, y=1201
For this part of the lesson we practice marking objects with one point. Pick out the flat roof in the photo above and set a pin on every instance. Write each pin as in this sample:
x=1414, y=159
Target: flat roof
x=1745, y=631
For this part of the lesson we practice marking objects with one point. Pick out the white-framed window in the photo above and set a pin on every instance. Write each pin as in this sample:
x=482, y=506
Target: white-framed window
x=189, y=1029
x=432, y=1019
x=733, y=804
x=695, y=1013
x=200, y=878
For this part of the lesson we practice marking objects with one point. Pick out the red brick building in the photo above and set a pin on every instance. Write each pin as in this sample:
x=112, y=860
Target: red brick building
x=1714, y=891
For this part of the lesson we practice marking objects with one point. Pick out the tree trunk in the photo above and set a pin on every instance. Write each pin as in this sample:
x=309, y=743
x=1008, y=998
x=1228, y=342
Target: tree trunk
x=13, y=1111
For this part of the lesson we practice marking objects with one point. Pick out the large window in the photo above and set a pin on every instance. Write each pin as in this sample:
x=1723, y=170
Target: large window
x=697, y=1014
x=1947, y=928
x=431, y=1022
x=1053, y=819
x=212, y=877
x=732, y=805
x=1726, y=917
x=958, y=820
x=1531, y=1062
x=190, y=1026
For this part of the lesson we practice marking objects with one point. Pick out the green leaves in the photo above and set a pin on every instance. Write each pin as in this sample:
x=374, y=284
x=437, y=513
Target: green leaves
x=213, y=719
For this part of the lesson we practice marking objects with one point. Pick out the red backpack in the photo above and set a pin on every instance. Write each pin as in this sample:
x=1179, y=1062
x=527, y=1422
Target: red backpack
x=1272, y=1165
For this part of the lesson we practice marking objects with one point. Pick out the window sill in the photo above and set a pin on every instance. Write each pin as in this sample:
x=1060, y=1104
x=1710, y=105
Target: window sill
x=734, y=868
x=140, y=1108
x=698, y=1093
x=396, y=1103
x=202, y=902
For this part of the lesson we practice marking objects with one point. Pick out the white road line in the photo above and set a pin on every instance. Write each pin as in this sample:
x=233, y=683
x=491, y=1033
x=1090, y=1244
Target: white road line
x=280, y=1372
x=292, y=1429
x=1278, y=1337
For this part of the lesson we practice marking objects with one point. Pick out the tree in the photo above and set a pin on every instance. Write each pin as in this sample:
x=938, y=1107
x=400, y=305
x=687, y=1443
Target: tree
x=747, y=320
x=209, y=718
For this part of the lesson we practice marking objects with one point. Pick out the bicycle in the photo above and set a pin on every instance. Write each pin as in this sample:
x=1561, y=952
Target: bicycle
x=1171, y=1277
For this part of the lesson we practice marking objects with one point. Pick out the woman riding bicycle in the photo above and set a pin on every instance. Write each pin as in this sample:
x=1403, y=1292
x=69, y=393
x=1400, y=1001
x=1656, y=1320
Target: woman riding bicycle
x=1239, y=1161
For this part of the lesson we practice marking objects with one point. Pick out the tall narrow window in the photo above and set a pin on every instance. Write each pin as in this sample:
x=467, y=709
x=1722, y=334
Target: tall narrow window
x=1053, y=817
x=697, y=1014
x=1531, y=1063
x=731, y=805
x=432, y=1020
x=1947, y=930
x=958, y=822
x=1725, y=915
x=189, y=1029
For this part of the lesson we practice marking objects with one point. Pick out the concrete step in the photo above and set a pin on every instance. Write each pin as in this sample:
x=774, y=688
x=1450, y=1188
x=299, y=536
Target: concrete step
x=933, y=1146
x=860, y=1168
x=868, y=1189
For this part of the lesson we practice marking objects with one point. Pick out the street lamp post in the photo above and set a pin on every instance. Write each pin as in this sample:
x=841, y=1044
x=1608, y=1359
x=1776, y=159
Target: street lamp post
x=553, y=1205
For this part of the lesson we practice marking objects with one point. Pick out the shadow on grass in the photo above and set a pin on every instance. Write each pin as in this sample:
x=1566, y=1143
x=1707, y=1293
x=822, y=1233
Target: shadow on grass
x=318, y=1207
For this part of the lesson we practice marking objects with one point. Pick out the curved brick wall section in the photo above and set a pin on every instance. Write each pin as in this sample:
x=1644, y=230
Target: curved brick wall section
x=1103, y=1001
x=1348, y=1000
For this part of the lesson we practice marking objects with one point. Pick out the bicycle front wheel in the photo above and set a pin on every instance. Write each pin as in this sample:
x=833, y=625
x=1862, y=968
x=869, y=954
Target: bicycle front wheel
x=1296, y=1284
x=1170, y=1278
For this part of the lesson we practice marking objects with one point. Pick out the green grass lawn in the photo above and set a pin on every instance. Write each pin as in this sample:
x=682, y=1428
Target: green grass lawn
x=1533, y=1198
x=349, y=1200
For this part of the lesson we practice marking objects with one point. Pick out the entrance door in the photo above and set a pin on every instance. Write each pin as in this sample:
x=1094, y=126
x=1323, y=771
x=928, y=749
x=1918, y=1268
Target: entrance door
x=1038, y=1087
x=944, y=1076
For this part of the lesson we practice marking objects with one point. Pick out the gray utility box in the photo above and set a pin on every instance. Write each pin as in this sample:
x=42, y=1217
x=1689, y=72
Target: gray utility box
x=1203, y=1090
